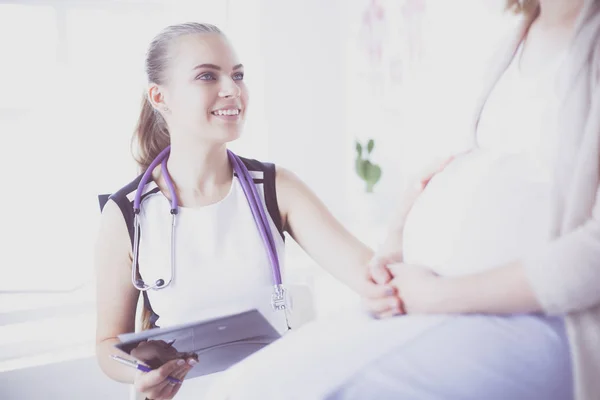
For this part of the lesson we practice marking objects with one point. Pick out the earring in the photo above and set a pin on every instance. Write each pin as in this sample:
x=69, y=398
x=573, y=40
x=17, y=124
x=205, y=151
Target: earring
x=165, y=109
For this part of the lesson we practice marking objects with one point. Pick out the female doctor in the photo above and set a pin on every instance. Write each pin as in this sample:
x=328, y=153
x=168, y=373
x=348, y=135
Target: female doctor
x=212, y=203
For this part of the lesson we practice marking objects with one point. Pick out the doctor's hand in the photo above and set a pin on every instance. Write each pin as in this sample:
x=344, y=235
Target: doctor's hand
x=155, y=384
x=382, y=299
x=379, y=296
x=155, y=353
x=165, y=361
x=389, y=252
x=417, y=286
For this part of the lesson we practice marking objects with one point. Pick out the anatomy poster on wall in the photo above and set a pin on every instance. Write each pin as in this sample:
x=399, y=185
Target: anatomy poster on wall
x=389, y=44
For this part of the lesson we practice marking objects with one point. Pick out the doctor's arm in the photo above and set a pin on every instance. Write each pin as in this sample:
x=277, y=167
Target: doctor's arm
x=116, y=302
x=323, y=237
x=116, y=298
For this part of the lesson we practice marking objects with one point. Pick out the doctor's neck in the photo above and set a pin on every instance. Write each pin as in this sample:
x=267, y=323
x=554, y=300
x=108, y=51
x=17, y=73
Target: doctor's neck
x=199, y=170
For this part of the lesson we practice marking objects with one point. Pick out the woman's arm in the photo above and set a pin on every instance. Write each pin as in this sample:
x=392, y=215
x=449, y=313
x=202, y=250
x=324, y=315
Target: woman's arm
x=116, y=298
x=559, y=277
x=503, y=290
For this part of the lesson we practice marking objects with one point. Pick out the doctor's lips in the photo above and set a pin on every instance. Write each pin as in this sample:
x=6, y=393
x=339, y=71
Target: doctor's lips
x=227, y=111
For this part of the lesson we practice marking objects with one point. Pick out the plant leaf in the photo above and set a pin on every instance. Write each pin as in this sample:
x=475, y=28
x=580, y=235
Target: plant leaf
x=358, y=148
x=360, y=166
x=370, y=145
x=373, y=174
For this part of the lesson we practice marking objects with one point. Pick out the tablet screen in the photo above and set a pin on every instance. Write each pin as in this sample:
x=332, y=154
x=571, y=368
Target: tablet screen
x=217, y=343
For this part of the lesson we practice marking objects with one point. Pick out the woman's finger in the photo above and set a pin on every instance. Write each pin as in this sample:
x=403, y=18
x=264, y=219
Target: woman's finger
x=167, y=392
x=172, y=388
x=398, y=309
x=143, y=386
x=371, y=290
x=383, y=305
x=156, y=379
x=390, y=313
x=184, y=370
x=378, y=270
x=148, y=385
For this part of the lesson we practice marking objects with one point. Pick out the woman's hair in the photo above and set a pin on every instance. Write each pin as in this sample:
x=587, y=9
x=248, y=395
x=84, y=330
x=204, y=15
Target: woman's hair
x=151, y=134
x=521, y=6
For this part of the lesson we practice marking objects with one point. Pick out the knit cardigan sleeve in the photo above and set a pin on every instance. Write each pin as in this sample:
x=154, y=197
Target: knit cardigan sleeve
x=565, y=273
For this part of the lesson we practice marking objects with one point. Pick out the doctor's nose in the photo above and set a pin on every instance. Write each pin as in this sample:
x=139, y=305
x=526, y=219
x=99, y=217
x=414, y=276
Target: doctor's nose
x=230, y=89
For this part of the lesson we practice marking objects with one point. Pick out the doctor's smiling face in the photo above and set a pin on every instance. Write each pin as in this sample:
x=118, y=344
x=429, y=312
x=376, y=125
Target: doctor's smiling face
x=200, y=92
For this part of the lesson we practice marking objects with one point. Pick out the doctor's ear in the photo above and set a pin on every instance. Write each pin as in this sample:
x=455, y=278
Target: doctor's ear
x=156, y=98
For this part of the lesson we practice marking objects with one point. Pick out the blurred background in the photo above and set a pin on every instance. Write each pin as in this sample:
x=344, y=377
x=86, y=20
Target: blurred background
x=322, y=75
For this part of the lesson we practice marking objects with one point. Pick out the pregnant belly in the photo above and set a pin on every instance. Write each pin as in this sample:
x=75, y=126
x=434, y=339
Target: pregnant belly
x=481, y=211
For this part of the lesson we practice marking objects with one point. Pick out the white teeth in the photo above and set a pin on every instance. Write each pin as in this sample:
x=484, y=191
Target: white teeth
x=227, y=112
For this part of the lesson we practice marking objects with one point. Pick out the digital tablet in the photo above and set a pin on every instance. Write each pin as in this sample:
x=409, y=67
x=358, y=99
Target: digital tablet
x=216, y=343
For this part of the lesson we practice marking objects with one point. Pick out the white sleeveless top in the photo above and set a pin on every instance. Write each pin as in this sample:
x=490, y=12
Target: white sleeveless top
x=221, y=264
x=491, y=205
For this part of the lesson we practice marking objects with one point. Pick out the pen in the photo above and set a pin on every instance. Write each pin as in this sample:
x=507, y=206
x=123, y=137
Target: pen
x=140, y=367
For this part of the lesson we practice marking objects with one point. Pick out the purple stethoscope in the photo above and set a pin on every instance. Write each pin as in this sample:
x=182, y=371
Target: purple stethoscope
x=278, y=297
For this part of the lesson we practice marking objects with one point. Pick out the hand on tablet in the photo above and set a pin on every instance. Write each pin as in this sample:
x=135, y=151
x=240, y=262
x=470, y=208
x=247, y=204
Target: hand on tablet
x=165, y=361
x=155, y=385
x=155, y=353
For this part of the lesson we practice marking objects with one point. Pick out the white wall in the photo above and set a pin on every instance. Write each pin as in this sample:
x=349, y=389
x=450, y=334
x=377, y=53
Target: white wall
x=298, y=93
x=305, y=93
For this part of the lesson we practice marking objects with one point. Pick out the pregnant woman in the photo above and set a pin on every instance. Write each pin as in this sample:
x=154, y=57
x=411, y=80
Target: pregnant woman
x=497, y=262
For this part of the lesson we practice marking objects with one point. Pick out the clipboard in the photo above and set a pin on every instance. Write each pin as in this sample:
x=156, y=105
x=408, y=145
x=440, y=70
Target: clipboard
x=217, y=343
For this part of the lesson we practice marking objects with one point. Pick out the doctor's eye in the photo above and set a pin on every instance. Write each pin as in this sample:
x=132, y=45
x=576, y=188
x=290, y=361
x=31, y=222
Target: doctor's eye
x=207, y=76
x=238, y=76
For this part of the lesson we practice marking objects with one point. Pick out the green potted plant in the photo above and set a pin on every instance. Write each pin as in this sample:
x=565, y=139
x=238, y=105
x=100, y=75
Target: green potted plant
x=368, y=171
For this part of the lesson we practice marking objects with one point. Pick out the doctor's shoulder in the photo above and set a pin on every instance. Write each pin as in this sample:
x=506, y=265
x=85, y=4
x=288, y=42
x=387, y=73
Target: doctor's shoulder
x=284, y=191
x=299, y=205
x=116, y=222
